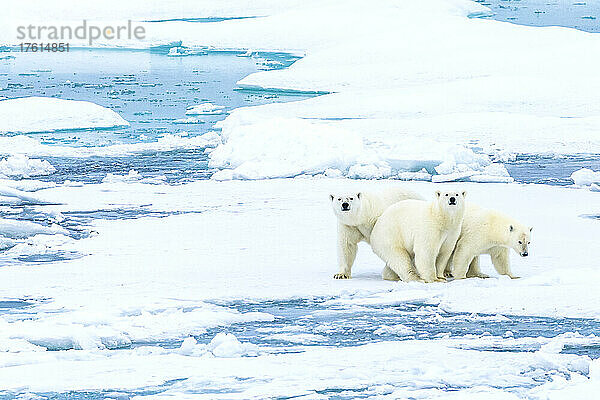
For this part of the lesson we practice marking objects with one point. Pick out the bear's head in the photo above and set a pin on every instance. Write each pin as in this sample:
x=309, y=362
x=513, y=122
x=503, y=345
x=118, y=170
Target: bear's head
x=346, y=206
x=451, y=201
x=520, y=238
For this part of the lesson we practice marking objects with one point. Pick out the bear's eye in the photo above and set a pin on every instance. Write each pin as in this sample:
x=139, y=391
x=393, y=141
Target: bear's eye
x=446, y=194
x=520, y=242
x=528, y=242
x=339, y=199
x=351, y=198
x=456, y=195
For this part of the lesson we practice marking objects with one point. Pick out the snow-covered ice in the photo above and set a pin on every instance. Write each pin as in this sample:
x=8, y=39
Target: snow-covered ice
x=155, y=280
x=45, y=114
x=586, y=177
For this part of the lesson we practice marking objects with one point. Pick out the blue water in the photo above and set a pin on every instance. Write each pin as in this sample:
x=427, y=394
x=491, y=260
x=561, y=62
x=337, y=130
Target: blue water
x=579, y=14
x=148, y=89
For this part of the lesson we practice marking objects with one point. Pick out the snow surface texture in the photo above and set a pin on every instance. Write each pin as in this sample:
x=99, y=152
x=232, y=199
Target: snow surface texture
x=44, y=114
x=151, y=280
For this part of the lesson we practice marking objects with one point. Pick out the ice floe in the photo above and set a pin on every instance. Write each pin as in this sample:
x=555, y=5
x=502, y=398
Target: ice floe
x=586, y=177
x=21, y=166
x=46, y=114
x=205, y=109
x=33, y=147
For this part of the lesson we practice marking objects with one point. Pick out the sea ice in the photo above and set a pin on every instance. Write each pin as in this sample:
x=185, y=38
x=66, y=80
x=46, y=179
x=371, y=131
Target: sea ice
x=205, y=109
x=33, y=147
x=21, y=166
x=227, y=345
x=586, y=177
x=46, y=114
x=23, y=229
x=145, y=280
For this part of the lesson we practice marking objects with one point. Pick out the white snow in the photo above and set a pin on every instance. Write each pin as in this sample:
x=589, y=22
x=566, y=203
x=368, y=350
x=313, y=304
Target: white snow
x=399, y=330
x=47, y=114
x=227, y=345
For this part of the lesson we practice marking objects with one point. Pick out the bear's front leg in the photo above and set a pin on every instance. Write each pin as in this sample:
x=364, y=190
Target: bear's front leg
x=425, y=258
x=443, y=259
x=501, y=261
x=348, y=238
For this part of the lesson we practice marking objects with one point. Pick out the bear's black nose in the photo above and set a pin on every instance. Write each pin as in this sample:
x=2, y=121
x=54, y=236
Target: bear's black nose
x=345, y=206
x=452, y=200
x=525, y=254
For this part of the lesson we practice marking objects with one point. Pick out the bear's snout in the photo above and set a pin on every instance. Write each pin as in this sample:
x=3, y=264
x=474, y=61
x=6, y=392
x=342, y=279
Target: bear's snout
x=452, y=201
x=345, y=206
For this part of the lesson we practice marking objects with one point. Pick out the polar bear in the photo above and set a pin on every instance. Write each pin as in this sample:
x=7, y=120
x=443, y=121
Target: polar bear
x=357, y=214
x=488, y=232
x=419, y=233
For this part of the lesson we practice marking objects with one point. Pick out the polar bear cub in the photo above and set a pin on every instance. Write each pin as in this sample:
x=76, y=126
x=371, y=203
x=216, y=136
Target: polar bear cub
x=419, y=233
x=488, y=232
x=357, y=214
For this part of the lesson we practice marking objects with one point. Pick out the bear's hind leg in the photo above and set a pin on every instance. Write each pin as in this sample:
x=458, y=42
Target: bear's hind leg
x=389, y=275
x=501, y=261
x=474, y=271
x=400, y=262
x=460, y=262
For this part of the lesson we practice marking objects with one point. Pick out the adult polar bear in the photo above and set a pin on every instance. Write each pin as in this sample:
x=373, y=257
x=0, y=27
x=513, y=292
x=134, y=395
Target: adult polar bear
x=488, y=232
x=357, y=213
x=419, y=231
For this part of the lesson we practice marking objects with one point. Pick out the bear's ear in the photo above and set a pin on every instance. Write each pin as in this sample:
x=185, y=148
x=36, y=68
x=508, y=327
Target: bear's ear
x=464, y=193
x=358, y=195
x=438, y=193
x=331, y=197
x=512, y=228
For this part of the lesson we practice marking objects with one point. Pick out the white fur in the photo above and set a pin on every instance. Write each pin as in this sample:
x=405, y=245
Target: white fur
x=356, y=223
x=488, y=232
x=416, y=238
